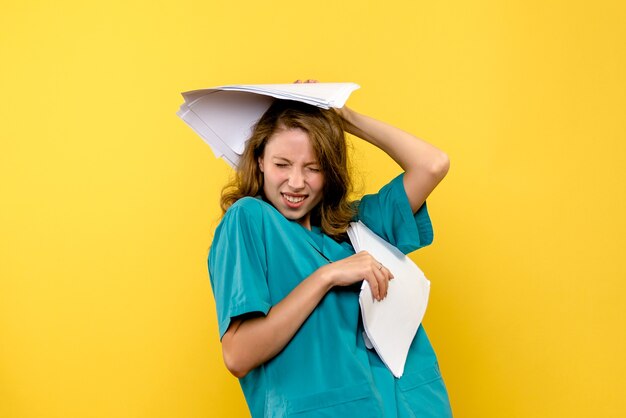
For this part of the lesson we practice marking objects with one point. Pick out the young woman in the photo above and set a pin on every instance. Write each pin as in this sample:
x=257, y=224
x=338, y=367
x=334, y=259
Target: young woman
x=286, y=280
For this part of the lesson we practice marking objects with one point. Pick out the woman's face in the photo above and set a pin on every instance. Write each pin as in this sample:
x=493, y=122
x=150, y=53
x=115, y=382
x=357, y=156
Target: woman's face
x=292, y=180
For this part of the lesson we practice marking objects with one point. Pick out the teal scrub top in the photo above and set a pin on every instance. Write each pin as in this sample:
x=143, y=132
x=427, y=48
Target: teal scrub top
x=258, y=257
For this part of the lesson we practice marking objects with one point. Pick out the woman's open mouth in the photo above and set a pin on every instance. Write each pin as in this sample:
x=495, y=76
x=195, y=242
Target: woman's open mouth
x=293, y=201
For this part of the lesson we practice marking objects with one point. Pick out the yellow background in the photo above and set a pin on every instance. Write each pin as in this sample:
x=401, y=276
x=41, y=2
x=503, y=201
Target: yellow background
x=109, y=200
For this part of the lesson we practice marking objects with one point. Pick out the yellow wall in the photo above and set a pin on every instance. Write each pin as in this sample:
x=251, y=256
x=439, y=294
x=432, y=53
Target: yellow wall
x=109, y=200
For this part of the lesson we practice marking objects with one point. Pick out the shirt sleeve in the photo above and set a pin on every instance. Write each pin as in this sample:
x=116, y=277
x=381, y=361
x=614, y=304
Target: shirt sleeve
x=238, y=266
x=388, y=213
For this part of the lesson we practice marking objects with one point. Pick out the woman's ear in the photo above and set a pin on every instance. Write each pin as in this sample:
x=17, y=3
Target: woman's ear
x=260, y=162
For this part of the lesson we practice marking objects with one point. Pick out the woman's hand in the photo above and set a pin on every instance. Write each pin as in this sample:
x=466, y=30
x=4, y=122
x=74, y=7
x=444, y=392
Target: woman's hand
x=360, y=266
x=345, y=112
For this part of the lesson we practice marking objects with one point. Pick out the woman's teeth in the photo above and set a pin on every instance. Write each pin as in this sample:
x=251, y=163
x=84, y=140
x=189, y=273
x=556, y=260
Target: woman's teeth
x=294, y=199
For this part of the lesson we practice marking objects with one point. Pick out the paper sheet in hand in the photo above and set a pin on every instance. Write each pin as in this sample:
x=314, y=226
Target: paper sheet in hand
x=392, y=323
x=224, y=116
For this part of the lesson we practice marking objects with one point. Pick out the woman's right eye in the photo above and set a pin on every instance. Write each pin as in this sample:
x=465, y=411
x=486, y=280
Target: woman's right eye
x=281, y=165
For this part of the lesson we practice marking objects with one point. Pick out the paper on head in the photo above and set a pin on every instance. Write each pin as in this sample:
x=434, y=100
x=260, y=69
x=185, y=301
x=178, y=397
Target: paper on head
x=224, y=116
x=391, y=324
x=325, y=95
x=224, y=120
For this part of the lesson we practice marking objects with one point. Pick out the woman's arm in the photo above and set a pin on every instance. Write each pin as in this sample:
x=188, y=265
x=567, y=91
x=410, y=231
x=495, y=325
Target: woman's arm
x=248, y=343
x=251, y=342
x=424, y=165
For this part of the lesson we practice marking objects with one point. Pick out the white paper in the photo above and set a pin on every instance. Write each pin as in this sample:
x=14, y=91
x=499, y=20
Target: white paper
x=392, y=323
x=325, y=95
x=224, y=116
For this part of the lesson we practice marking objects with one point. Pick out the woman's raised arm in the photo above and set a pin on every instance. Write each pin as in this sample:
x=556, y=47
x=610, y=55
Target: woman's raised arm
x=424, y=165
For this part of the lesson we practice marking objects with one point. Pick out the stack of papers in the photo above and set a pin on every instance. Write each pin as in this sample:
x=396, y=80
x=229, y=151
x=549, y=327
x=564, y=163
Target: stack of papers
x=391, y=324
x=224, y=116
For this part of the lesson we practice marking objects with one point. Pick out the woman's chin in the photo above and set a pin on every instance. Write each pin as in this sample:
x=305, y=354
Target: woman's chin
x=299, y=216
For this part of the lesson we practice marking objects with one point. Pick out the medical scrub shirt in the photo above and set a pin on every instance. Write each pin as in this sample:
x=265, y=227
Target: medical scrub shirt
x=258, y=257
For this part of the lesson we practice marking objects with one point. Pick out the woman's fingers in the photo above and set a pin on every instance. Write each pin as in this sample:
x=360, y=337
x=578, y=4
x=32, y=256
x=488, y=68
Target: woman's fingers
x=377, y=275
x=382, y=276
x=374, y=286
x=378, y=285
x=383, y=279
x=361, y=266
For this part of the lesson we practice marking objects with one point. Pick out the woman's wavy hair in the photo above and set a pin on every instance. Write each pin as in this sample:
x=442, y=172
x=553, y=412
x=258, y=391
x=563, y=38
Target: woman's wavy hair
x=325, y=129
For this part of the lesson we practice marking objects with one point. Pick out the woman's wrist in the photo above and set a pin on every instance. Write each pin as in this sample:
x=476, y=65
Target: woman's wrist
x=348, y=116
x=355, y=124
x=323, y=275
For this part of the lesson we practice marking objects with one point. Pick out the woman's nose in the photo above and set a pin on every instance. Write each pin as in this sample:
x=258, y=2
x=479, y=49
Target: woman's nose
x=296, y=179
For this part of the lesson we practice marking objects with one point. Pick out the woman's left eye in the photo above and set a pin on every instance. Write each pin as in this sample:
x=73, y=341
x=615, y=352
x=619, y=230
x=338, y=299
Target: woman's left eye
x=314, y=169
